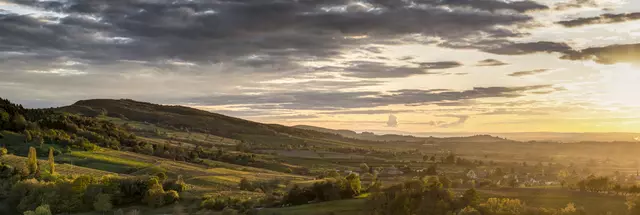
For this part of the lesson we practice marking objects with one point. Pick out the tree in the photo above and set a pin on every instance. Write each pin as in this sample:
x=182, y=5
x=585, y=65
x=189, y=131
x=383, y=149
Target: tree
x=32, y=161
x=43, y=210
x=451, y=158
x=147, y=149
x=178, y=209
x=633, y=204
x=246, y=185
x=40, y=210
x=171, y=196
x=3, y=151
x=19, y=123
x=432, y=170
x=27, y=136
x=103, y=203
x=354, y=183
x=333, y=174
x=500, y=206
x=52, y=165
x=469, y=211
x=118, y=212
x=470, y=198
x=364, y=167
x=40, y=142
x=155, y=195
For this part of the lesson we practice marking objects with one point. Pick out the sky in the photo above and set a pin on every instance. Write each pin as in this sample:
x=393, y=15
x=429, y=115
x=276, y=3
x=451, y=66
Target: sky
x=392, y=65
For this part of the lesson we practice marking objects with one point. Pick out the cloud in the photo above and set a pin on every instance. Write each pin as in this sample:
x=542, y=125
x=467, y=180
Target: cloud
x=602, y=19
x=529, y=72
x=490, y=62
x=202, y=31
x=331, y=100
x=392, y=121
x=513, y=112
x=455, y=103
x=365, y=112
x=529, y=48
x=440, y=65
x=576, y=4
x=461, y=120
x=626, y=53
x=368, y=69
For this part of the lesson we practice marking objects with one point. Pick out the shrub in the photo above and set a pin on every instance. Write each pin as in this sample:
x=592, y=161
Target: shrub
x=161, y=176
x=171, y=196
x=229, y=211
x=103, y=202
x=40, y=210
x=3, y=151
x=178, y=185
x=220, y=203
x=246, y=185
x=118, y=212
x=155, y=196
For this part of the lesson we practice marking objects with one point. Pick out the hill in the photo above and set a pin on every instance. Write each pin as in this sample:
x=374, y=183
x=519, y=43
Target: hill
x=145, y=156
x=407, y=138
x=175, y=117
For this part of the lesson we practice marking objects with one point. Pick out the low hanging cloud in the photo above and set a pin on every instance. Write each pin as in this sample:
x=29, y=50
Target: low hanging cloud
x=602, y=19
x=461, y=120
x=627, y=53
x=513, y=112
x=392, y=121
x=368, y=69
x=529, y=72
x=365, y=112
x=328, y=100
x=530, y=48
x=490, y=62
x=440, y=65
x=576, y=4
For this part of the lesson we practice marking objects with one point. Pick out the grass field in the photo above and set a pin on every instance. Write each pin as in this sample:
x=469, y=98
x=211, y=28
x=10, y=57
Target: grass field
x=342, y=207
x=63, y=169
x=595, y=203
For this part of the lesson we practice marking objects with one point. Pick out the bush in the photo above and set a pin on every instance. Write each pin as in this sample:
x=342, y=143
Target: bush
x=155, y=196
x=171, y=196
x=161, y=176
x=3, y=151
x=220, y=203
x=103, y=203
x=177, y=185
x=40, y=210
x=229, y=211
x=299, y=196
x=246, y=185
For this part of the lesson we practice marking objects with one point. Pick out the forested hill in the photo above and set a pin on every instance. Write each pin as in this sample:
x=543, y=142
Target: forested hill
x=179, y=117
x=194, y=120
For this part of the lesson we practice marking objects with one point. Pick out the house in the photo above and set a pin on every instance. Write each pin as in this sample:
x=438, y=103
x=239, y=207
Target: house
x=472, y=175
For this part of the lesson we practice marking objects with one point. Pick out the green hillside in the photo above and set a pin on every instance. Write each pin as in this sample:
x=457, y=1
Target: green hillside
x=123, y=156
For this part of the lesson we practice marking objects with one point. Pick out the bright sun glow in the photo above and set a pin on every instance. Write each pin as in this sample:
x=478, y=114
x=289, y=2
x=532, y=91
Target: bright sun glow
x=621, y=86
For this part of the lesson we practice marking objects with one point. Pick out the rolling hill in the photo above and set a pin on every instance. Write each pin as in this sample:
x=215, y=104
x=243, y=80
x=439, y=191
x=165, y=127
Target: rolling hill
x=408, y=138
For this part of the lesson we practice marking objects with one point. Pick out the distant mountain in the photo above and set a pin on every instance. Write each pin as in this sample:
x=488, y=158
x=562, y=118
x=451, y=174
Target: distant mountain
x=408, y=138
x=532, y=136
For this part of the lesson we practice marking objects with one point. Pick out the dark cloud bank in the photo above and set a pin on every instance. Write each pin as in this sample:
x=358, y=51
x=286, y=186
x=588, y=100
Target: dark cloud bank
x=270, y=37
x=105, y=31
x=602, y=19
x=315, y=100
